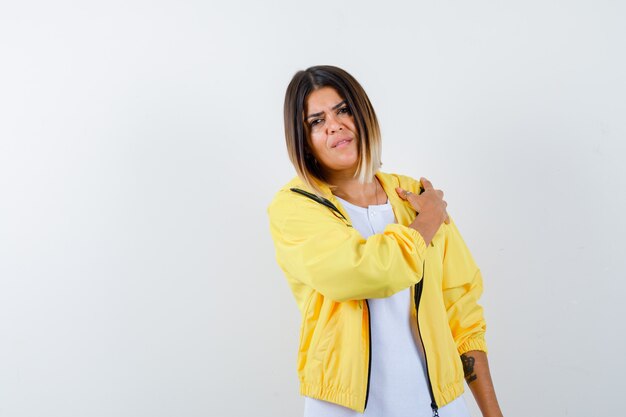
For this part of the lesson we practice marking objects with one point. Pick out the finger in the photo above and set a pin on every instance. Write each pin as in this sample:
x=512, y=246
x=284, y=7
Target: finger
x=401, y=192
x=426, y=184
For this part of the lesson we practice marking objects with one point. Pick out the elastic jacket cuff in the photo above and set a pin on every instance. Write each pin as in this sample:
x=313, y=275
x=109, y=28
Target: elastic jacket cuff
x=476, y=343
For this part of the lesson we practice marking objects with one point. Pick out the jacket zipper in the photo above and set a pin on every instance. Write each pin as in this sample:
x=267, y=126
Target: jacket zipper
x=337, y=213
x=418, y=295
x=325, y=202
x=369, y=365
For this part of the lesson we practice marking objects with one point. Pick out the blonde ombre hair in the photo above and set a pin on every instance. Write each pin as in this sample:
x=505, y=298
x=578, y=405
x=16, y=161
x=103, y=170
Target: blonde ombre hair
x=297, y=131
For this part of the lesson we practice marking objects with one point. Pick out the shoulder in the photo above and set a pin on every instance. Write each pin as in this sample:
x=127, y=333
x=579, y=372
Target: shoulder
x=286, y=202
x=282, y=197
x=398, y=180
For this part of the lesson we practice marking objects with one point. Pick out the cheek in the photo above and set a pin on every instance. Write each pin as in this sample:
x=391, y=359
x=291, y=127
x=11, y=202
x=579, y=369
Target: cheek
x=351, y=125
x=318, y=143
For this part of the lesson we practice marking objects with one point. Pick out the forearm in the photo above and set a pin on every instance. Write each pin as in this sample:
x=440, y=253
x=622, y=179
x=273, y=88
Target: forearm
x=478, y=378
x=426, y=226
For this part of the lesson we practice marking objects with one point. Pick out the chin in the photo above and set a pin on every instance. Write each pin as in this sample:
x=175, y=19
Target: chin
x=345, y=166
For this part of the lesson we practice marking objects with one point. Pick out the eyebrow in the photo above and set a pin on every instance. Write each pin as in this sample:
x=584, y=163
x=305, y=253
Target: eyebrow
x=320, y=113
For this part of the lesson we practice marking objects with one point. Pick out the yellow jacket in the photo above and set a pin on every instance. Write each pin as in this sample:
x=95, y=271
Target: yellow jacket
x=332, y=271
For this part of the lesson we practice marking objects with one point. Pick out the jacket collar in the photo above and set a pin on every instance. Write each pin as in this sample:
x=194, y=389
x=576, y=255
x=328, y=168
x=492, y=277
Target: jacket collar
x=388, y=181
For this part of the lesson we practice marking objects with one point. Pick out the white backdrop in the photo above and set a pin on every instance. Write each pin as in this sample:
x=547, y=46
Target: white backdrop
x=141, y=142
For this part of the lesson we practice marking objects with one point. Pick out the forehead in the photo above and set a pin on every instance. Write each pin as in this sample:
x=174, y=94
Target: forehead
x=322, y=99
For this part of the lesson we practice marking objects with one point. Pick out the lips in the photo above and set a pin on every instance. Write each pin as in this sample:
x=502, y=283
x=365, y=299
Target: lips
x=341, y=141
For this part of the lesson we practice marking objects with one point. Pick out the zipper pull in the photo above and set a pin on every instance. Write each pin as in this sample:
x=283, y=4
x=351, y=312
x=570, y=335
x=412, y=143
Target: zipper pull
x=435, y=410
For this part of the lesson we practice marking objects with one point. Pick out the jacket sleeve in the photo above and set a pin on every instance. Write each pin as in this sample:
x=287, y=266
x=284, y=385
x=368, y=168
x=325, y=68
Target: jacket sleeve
x=319, y=250
x=462, y=287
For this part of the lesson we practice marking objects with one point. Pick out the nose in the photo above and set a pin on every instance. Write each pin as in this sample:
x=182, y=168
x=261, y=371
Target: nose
x=333, y=124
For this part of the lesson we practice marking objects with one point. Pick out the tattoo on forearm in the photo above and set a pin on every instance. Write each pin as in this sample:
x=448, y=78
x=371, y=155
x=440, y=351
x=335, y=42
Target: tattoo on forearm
x=468, y=368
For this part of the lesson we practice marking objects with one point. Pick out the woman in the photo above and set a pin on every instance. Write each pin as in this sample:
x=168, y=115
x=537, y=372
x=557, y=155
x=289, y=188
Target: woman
x=385, y=284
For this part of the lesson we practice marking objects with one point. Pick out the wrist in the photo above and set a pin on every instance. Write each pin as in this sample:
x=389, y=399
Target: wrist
x=425, y=226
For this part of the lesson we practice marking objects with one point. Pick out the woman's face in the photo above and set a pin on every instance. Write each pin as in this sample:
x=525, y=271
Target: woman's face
x=333, y=136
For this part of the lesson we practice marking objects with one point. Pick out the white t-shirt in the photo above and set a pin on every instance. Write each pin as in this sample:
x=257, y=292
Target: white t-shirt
x=398, y=379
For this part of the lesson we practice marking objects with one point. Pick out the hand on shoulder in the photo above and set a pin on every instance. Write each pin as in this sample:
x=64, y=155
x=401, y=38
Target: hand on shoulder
x=430, y=207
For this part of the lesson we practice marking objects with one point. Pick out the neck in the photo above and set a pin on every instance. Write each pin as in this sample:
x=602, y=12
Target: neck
x=350, y=189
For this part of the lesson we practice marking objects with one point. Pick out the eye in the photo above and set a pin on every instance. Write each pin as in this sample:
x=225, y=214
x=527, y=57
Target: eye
x=344, y=110
x=315, y=122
